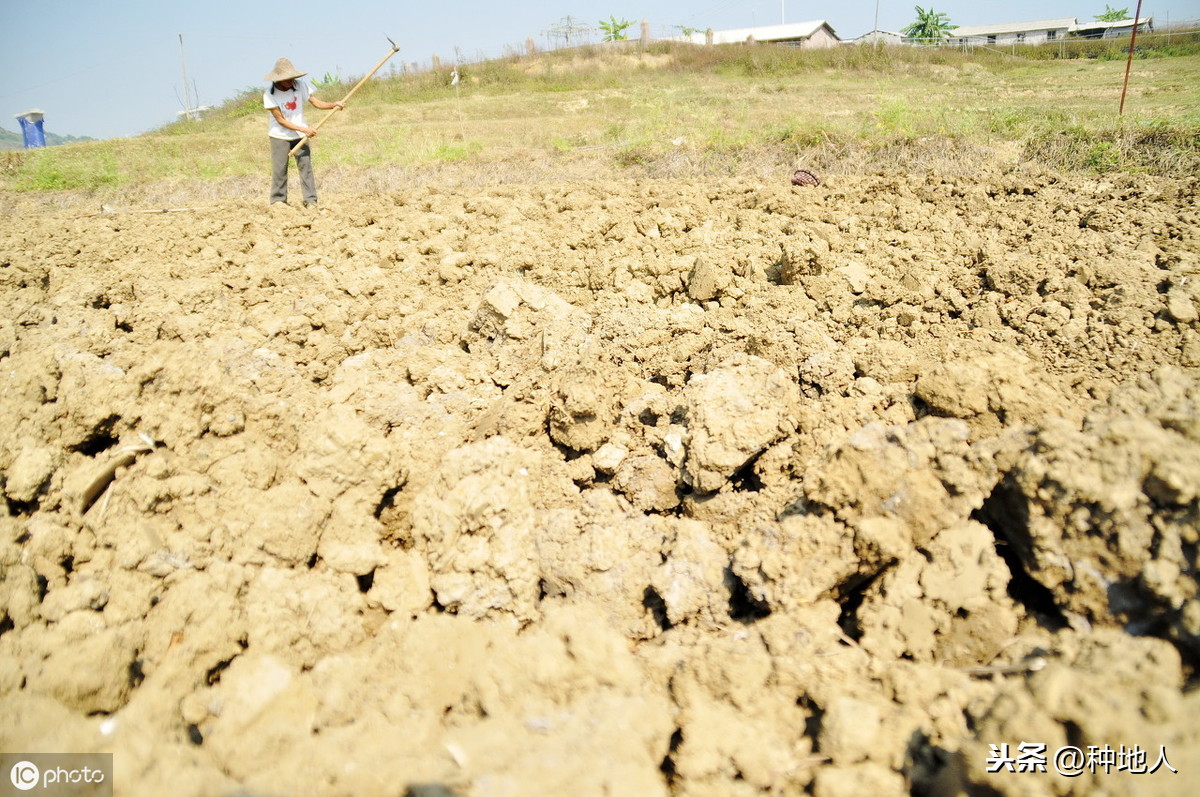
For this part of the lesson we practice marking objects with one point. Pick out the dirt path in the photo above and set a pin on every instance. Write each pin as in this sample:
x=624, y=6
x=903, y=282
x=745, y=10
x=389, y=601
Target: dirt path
x=629, y=488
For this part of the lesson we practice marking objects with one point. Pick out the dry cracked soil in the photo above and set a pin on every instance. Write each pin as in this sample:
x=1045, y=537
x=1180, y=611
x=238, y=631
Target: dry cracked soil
x=633, y=487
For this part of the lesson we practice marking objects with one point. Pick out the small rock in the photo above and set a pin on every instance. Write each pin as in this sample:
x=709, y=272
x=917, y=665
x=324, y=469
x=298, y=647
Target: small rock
x=649, y=483
x=857, y=276
x=32, y=468
x=708, y=281
x=735, y=411
x=849, y=729
x=609, y=457
x=1180, y=306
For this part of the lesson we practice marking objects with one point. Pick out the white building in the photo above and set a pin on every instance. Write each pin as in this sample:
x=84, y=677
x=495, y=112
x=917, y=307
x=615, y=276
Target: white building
x=878, y=37
x=1039, y=32
x=194, y=114
x=1042, y=31
x=815, y=34
x=1108, y=30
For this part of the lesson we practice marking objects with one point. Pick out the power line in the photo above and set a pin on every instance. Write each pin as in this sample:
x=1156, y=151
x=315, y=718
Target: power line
x=68, y=76
x=717, y=9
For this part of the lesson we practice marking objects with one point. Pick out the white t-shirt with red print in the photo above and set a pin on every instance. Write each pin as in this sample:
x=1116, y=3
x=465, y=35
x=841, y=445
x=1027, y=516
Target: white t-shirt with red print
x=291, y=103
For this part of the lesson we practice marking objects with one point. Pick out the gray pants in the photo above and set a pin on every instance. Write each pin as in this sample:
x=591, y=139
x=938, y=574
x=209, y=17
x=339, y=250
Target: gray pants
x=279, y=171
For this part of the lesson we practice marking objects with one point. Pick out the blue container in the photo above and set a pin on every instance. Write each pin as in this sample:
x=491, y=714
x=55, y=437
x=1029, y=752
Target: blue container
x=33, y=131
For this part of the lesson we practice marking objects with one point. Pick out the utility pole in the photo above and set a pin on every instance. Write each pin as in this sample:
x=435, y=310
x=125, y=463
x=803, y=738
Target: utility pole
x=876, y=17
x=187, y=102
x=567, y=27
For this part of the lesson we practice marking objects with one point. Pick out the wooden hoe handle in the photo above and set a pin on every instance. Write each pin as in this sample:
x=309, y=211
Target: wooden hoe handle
x=304, y=139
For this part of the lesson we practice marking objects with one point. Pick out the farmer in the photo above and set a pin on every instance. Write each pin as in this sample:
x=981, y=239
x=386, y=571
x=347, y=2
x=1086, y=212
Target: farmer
x=285, y=102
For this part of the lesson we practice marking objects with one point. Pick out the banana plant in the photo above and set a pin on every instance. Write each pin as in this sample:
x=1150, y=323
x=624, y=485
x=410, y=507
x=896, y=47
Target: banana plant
x=931, y=26
x=614, y=29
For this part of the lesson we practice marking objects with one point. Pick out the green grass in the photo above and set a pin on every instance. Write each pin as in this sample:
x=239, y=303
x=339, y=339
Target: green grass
x=1147, y=46
x=1136, y=146
x=80, y=166
x=667, y=108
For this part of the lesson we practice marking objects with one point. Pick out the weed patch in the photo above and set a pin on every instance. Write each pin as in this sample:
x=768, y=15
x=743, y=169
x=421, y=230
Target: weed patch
x=1156, y=147
x=67, y=168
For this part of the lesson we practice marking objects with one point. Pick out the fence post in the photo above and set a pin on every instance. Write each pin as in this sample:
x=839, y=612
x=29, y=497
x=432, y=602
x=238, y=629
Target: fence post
x=1129, y=61
x=645, y=32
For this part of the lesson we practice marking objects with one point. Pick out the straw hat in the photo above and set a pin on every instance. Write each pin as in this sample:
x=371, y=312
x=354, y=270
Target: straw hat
x=283, y=71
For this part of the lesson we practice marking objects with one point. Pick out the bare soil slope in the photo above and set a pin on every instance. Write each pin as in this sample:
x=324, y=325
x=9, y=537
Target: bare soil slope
x=627, y=488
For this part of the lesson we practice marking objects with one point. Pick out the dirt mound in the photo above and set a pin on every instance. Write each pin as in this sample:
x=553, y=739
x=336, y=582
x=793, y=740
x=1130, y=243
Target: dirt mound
x=634, y=488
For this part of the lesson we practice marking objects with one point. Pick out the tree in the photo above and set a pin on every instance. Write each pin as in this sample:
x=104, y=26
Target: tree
x=614, y=29
x=1113, y=14
x=930, y=26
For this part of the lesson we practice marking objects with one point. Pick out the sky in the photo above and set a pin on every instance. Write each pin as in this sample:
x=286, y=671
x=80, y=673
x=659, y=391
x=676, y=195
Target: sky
x=115, y=69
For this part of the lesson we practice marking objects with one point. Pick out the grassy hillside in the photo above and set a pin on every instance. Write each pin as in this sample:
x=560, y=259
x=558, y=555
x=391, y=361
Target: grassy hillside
x=12, y=140
x=679, y=110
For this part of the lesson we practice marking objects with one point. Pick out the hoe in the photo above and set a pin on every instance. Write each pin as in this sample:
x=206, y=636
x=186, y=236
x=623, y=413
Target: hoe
x=395, y=49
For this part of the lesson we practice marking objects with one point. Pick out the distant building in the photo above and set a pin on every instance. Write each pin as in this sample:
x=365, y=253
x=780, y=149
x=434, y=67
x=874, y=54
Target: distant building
x=877, y=37
x=1042, y=31
x=194, y=114
x=812, y=35
x=1108, y=30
